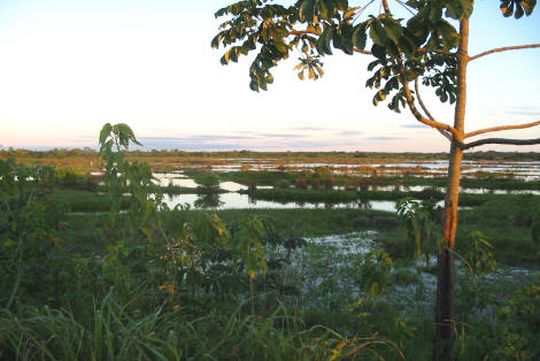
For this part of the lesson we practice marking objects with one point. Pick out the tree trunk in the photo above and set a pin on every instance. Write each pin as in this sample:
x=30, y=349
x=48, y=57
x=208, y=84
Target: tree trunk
x=445, y=330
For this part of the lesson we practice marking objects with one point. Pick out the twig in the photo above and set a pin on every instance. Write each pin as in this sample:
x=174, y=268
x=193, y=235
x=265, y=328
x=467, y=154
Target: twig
x=500, y=141
x=432, y=123
x=502, y=127
x=504, y=48
x=408, y=8
x=424, y=108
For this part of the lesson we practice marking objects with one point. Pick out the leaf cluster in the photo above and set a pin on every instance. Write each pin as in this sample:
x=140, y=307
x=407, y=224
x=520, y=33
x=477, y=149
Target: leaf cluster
x=424, y=46
x=518, y=8
x=122, y=177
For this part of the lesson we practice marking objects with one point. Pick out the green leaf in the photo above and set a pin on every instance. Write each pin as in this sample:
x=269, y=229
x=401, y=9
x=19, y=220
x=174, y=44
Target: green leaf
x=378, y=51
x=281, y=47
x=393, y=31
x=323, y=44
x=253, y=86
x=518, y=8
x=306, y=10
x=104, y=134
x=377, y=33
x=359, y=36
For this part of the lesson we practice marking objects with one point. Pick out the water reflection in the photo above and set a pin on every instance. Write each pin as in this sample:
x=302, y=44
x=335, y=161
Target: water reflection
x=208, y=200
x=521, y=170
x=243, y=201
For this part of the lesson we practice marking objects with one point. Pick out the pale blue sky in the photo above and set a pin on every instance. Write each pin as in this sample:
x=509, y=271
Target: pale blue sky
x=69, y=66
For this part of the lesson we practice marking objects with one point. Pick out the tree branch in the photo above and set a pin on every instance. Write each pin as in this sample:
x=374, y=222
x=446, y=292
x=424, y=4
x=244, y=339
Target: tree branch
x=505, y=48
x=500, y=141
x=502, y=127
x=422, y=105
x=304, y=32
x=362, y=51
x=425, y=109
x=431, y=122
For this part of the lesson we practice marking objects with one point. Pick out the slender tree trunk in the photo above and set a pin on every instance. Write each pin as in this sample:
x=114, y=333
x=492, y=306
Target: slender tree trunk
x=445, y=330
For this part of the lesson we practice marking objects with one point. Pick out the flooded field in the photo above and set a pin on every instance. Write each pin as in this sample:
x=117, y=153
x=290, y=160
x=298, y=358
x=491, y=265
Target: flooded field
x=335, y=263
x=519, y=170
x=232, y=200
x=233, y=195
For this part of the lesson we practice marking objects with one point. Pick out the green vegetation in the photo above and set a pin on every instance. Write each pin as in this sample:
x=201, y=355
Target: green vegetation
x=113, y=273
x=429, y=45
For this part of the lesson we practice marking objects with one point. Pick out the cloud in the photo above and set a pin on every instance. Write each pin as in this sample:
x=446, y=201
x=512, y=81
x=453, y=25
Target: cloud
x=414, y=126
x=197, y=137
x=259, y=141
x=274, y=135
x=349, y=133
x=386, y=138
x=524, y=110
x=311, y=128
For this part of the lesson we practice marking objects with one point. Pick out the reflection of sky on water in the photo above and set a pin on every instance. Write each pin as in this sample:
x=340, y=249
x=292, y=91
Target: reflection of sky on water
x=177, y=182
x=165, y=178
x=233, y=200
x=242, y=201
x=232, y=186
x=522, y=170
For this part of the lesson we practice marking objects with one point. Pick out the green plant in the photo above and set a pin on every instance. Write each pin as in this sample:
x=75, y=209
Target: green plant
x=207, y=182
x=425, y=48
x=420, y=218
x=28, y=230
x=122, y=176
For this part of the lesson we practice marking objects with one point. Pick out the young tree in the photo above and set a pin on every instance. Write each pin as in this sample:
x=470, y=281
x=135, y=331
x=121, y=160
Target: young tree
x=425, y=48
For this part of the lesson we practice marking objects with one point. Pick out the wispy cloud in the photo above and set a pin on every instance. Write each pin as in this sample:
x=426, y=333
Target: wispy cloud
x=311, y=129
x=414, y=126
x=349, y=133
x=385, y=138
x=279, y=135
x=258, y=141
x=523, y=110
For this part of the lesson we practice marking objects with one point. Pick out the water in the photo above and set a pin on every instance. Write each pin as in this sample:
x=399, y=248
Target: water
x=177, y=179
x=519, y=170
x=243, y=201
x=234, y=200
x=329, y=268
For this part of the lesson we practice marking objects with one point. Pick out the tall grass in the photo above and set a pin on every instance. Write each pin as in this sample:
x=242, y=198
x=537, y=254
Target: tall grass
x=113, y=333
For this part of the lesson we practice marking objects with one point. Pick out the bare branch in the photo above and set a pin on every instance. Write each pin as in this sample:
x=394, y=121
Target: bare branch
x=304, y=32
x=424, y=108
x=385, y=6
x=407, y=7
x=502, y=127
x=422, y=105
x=362, y=51
x=445, y=134
x=505, y=48
x=500, y=141
x=431, y=122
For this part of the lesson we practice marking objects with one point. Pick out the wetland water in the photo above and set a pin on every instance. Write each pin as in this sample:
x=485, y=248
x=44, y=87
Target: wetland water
x=519, y=170
x=233, y=199
x=333, y=264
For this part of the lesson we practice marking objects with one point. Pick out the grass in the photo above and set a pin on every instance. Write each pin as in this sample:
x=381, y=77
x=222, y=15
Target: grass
x=507, y=220
x=114, y=291
x=112, y=329
x=508, y=223
x=282, y=179
x=317, y=222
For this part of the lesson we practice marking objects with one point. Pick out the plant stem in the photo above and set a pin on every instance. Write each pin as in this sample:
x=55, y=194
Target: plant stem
x=445, y=335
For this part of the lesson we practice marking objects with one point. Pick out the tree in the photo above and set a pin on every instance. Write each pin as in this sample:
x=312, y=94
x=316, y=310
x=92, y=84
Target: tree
x=425, y=48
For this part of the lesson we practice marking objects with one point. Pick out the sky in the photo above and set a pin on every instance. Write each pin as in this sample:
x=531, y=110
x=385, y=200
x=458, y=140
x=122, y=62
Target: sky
x=69, y=66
